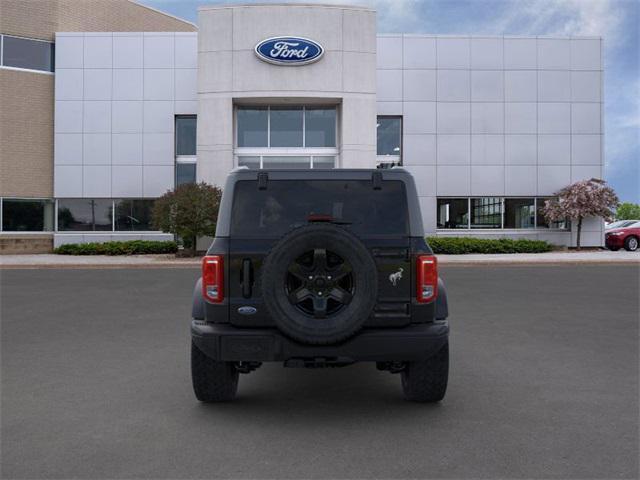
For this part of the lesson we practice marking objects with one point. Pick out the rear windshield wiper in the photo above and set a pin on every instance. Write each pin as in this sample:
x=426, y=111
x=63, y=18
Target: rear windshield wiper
x=321, y=218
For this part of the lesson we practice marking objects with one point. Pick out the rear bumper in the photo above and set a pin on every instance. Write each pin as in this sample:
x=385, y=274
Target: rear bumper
x=228, y=343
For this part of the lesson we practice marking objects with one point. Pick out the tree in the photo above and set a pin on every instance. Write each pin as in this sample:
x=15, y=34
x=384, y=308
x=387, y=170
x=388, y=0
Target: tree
x=628, y=211
x=190, y=211
x=586, y=198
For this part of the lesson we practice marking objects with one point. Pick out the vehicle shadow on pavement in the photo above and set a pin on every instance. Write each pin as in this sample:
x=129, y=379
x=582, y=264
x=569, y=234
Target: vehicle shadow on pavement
x=330, y=393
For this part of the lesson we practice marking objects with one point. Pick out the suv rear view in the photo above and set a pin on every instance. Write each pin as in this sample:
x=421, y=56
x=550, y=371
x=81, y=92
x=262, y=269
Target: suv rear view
x=319, y=268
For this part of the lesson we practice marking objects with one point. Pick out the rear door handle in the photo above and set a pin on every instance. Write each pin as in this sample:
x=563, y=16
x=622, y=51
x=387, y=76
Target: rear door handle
x=246, y=278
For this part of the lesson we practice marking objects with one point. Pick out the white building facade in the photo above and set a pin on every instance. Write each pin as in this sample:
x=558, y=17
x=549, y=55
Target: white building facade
x=489, y=126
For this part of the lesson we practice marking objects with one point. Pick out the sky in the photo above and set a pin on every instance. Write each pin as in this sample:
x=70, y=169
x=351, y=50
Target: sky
x=617, y=21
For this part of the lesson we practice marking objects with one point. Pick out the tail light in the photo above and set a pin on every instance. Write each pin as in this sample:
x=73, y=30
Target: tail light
x=426, y=278
x=213, y=278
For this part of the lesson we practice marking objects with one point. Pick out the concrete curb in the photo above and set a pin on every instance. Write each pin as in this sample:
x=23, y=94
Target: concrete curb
x=11, y=262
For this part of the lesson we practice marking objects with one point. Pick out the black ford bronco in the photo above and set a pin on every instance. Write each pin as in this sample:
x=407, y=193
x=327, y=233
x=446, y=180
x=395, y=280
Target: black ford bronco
x=319, y=268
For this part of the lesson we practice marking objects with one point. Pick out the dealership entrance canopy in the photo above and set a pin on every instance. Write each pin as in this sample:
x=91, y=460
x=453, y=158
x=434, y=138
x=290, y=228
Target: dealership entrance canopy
x=489, y=126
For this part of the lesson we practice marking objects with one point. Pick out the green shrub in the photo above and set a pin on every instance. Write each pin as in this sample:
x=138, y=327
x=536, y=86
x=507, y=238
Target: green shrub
x=132, y=247
x=462, y=245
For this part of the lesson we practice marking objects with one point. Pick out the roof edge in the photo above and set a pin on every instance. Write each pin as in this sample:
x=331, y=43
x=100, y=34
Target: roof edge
x=137, y=2
x=287, y=4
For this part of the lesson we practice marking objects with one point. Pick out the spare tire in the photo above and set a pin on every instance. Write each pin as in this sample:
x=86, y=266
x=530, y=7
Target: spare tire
x=319, y=284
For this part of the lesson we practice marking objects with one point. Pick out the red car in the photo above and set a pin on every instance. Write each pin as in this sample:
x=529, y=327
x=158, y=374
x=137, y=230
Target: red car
x=627, y=237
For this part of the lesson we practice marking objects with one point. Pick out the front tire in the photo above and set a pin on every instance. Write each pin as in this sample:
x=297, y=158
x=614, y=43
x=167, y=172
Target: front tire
x=426, y=380
x=631, y=244
x=213, y=381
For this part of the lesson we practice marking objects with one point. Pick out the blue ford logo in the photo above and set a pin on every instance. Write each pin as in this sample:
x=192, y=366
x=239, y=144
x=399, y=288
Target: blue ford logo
x=246, y=310
x=289, y=50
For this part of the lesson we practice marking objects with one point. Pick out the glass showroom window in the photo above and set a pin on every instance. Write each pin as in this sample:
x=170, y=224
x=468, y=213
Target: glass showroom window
x=542, y=222
x=26, y=53
x=186, y=160
x=133, y=215
x=519, y=213
x=85, y=215
x=278, y=137
x=453, y=213
x=389, y=135
x=486, y=212
x=27, y=215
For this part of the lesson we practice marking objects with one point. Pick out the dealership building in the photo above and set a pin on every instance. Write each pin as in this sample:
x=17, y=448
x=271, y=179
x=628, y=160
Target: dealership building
x=107, y=105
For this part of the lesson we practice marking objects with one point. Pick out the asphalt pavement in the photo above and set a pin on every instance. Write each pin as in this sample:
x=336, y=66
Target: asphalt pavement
x=544, y=384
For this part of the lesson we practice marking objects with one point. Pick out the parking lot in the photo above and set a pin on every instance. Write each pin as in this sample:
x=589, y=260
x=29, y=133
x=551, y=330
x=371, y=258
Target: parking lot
x=544, y=383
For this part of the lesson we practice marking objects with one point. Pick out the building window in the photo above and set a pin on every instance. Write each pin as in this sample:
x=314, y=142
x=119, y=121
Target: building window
x=186, y=160
x=27, y=215
x=542, y=222
x=288, y=162
x=286, y=127
x=494, y=213
x=252, y=162
x=26, y=53
x=186, y=135
x=519, y=213
x=85, y=215
x=389, y=139
x=453, y=213
x=253, y=126
x=486, y=212
x=97, y=215
x=133, y=215
x=286, y=137
x=320, y=127
x=185, y=173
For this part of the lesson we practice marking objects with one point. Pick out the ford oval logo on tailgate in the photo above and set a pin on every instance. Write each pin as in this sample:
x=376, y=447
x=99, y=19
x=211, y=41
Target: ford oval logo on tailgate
x=289, y=50
x=247, y=310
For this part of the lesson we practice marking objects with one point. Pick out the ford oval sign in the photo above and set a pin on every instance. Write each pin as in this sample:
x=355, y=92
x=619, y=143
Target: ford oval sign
x=289, y=51
x=247, y=310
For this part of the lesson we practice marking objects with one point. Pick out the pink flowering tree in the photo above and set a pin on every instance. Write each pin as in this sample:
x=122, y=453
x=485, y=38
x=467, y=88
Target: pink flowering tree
x=586, y=198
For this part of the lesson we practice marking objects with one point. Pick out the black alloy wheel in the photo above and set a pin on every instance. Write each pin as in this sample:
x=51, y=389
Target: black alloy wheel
x=320, y=283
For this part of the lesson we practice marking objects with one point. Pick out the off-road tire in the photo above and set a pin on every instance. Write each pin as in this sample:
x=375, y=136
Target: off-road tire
x=631, y=243
x=332, y=328
x=213, y=381
x=426, y=380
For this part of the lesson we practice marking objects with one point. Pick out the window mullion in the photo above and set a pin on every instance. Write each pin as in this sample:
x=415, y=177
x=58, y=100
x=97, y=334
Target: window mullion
x=304, y=127
x=268, y=127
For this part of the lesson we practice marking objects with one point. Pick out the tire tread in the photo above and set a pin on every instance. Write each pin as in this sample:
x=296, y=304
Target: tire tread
x=426, y=380
x=213, y=381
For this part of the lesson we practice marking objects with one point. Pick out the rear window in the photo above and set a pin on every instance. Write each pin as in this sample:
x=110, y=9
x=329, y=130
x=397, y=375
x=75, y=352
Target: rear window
x=287, y=204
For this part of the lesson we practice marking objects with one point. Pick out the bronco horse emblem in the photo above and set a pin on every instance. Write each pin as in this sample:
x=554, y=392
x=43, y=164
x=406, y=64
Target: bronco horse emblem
x=394, y=277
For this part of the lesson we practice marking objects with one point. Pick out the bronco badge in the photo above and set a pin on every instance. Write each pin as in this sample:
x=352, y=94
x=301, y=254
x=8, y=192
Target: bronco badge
x=395, y=277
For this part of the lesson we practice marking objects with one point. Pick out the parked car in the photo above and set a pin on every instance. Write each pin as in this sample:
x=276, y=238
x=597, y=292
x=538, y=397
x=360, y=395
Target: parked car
x=320, y=268
x=620, y=224
x=627, y=237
